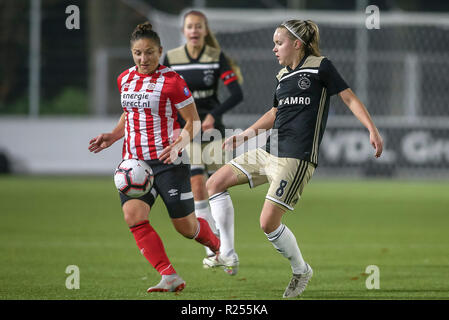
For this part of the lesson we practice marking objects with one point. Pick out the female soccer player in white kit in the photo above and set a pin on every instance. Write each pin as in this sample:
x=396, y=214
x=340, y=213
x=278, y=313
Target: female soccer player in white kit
x=298, y=118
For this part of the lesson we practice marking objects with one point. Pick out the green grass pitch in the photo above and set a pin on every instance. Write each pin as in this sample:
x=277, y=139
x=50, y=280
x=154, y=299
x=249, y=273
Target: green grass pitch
x=49, y=223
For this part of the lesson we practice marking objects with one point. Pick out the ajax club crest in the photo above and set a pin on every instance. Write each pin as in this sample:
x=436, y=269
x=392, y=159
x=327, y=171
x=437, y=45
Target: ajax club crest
x=208, y=78
x=304, y=82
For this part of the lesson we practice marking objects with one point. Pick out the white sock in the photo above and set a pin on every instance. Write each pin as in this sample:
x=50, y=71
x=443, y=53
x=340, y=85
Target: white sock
x=202, y=210
x=284, y=241
x=223, y=214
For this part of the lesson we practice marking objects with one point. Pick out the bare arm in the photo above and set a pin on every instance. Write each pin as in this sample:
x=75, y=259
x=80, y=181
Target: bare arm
x=105, y=140
x=360, y=112
x=191, y=129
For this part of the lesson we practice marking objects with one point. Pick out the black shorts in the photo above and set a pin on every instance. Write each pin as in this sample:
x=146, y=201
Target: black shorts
x=172, y=182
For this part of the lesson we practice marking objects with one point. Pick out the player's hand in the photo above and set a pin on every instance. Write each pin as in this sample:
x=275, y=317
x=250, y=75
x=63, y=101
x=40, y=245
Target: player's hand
x=101, y=142
x=208, y=123
x=233, y=142
x=376, y=141
x=170, y=153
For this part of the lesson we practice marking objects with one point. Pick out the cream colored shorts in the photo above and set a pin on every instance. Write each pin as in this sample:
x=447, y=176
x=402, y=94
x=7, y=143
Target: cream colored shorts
x=287, y=176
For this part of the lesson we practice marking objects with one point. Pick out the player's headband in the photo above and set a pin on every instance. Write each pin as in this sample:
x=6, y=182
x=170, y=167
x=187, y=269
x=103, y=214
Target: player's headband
x=292, y=32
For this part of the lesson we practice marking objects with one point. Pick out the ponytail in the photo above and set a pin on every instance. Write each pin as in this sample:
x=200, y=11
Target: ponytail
x=307, y=32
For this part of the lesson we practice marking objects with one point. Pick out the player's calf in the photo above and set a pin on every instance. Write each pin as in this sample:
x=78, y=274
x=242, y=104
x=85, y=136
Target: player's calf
x=206, y=237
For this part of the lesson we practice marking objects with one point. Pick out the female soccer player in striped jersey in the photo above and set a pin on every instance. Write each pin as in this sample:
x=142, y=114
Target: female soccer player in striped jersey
x=202, y=64
x=152, y=95
x=298, y=117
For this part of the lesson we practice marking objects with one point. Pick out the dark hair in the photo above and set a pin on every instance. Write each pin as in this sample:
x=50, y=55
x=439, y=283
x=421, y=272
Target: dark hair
x=145, y=30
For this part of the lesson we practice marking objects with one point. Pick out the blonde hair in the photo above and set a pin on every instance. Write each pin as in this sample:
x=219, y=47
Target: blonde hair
x=212, y=41
x=307, y=32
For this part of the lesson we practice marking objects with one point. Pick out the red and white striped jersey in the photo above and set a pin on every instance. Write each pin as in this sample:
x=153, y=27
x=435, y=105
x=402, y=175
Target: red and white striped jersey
x=151, y=103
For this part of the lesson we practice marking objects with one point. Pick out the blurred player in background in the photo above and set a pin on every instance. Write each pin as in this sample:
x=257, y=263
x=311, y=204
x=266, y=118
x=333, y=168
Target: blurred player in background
x=202, y=64
x=152, y=95
x=298, y=117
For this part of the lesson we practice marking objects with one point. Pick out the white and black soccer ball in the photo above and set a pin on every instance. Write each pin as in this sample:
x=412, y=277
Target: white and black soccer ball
x=133, y=178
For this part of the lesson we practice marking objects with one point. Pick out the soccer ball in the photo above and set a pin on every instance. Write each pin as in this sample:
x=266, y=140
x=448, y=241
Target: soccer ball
x=133, y=178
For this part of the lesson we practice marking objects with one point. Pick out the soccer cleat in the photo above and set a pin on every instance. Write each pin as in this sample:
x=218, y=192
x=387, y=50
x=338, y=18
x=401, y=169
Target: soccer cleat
x=210, y=264
x=229, y=264
x=169, y=283
x=298, y=283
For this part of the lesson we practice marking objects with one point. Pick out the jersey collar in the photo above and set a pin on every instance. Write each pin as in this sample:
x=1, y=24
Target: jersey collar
x=299, y=64
x=159, y=67
x=199, y=56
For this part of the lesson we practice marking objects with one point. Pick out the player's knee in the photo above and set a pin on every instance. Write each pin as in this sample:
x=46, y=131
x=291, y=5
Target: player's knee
x=214, y=185
x=210, y=185
x=264, y=226
x=135, y=212
x=267, y=226
x=132, y=218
